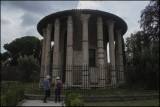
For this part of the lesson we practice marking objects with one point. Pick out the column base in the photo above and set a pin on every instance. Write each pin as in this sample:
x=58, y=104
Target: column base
x=88, y=88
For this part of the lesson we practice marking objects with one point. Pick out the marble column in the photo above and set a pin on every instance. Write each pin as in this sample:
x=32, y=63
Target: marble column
x=85, y=51
x=107, y=76
x=100, y=52
x=55, y=67
x=106, y=54
x=116, y=56
x=69, y=54
x=43, y=58
x=120, y=56
x=110, y=24
x=47, y=50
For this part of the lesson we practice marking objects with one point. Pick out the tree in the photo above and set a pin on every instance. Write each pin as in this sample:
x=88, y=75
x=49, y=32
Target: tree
x=145, y=60
x=150, y=20
x=28, y=45
x=142, y=49
x=5, y=58
x=29, y=68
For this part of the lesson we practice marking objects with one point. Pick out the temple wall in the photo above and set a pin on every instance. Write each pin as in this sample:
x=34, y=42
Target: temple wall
x=77, y=57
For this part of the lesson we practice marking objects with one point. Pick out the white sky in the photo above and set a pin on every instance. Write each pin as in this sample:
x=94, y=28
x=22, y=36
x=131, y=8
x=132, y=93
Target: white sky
x=20, y=18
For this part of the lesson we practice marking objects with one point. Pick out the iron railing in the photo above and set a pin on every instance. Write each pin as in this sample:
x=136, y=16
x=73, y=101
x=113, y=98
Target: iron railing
x=99, y=80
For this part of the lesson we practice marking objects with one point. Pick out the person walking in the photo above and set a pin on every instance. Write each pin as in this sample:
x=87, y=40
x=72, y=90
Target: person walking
x=58, y=87
x=46, y=87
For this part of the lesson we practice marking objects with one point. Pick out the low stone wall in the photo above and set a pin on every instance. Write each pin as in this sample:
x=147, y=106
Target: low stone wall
x=120, y=97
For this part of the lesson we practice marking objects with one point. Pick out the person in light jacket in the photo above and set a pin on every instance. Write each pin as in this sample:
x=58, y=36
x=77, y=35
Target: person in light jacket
x=46, y=87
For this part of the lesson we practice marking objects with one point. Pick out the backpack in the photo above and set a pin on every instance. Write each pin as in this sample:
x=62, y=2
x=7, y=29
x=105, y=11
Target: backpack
x=59, y=85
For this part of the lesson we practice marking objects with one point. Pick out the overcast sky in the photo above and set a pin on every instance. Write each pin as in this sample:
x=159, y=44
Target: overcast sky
x=20, y=18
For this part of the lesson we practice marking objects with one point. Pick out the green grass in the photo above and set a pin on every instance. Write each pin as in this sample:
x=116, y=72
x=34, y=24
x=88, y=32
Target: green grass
x=118, y=91
x=32, y=88
x=151, y=102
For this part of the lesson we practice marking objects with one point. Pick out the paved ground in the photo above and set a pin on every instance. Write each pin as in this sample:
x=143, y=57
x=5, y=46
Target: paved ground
x=40, y=103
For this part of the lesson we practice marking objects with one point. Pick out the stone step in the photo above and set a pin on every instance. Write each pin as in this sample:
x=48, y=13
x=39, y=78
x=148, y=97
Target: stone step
x=98, y=98
x=41, y=97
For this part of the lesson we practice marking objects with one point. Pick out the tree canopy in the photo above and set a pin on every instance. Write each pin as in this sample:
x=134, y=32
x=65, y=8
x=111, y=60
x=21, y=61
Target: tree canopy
x=150, y=20
x=28, y=45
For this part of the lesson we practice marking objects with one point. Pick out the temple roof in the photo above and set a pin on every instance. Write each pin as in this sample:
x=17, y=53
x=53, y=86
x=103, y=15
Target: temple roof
x=120, y=23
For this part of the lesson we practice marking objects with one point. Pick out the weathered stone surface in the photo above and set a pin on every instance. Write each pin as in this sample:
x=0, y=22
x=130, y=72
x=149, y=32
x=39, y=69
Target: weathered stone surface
x=76, y=33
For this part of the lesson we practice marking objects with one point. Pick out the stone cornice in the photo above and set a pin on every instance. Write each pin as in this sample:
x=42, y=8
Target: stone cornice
x=63, y=15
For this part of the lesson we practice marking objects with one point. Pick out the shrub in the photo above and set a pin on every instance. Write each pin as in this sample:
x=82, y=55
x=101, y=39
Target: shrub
x=3, y=100
x=77, y=102
x=73, y=99
x=12, y=95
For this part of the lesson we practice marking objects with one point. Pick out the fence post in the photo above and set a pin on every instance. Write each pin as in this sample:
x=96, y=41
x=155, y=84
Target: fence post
x=55, y=72
x=101, y=76
x=85, y=80
x=41, y=77
x=113, y=76
x=121, y=74
x=69, y=77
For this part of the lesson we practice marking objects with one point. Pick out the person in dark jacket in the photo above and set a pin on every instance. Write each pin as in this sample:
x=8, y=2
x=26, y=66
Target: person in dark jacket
x=58, y=87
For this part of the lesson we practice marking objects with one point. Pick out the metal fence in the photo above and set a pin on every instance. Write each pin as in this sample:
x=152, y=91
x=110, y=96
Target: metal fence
x=99, y=80
x=84, y=76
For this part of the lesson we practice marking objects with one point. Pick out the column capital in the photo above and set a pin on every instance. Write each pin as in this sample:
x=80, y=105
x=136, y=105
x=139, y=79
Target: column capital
x=85, y=17
x=49, y=26
x=119, y=31
x=69, y=21
x=44, y=31
x=110, y=22
x=57, y=22
x=99, y=20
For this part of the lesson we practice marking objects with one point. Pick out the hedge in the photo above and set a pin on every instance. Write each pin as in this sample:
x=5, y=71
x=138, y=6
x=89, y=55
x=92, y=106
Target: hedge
x=12, y=96
x=73, y=99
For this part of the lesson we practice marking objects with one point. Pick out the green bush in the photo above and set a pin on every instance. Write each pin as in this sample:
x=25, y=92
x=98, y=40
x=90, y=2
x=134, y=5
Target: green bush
x=12, y=95
x=3, y=100
x=77, y=102
x=73, y=99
